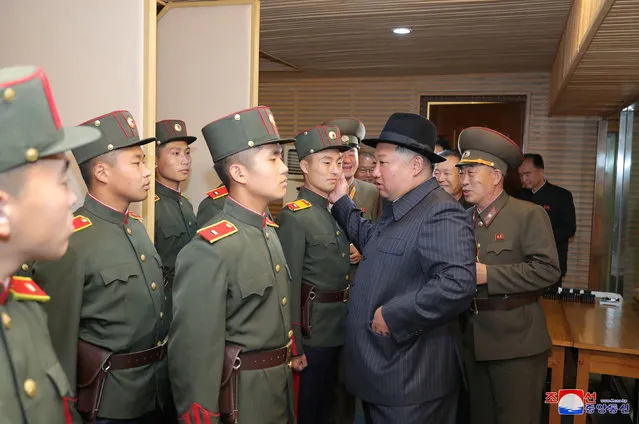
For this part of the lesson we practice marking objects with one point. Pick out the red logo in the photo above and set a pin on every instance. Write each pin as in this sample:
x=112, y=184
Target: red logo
x=499, y=236
x=547, y=207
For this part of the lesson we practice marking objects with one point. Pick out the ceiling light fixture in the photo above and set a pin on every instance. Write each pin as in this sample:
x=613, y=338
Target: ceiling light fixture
x=402, y=30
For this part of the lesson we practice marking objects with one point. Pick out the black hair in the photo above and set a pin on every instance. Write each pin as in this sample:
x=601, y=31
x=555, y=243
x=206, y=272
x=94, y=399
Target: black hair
x=537, y=160
x=450, y=154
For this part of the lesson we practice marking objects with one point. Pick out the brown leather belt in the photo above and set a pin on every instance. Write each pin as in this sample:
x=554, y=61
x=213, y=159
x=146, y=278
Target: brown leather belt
x=260, y=360
x=505, y=302
x=329, y=296
x=123, y=361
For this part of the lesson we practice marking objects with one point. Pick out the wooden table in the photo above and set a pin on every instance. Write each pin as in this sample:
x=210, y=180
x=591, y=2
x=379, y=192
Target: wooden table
x=561, y=339
x=607, y=338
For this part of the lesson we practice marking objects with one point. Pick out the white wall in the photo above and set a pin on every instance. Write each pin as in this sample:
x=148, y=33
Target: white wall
x=91, y=50
x=204, y=64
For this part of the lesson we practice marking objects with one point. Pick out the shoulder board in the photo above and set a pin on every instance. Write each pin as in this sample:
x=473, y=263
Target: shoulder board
x=24, y=288
x=80, y=223
x=271, y=223
x=218, y=192
x=156, y=198
x=298, y=205
x=217, y=231
x=183, y=195
x=134, y=216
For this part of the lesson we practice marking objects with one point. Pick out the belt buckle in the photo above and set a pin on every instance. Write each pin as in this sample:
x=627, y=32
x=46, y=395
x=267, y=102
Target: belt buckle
x=347, y=293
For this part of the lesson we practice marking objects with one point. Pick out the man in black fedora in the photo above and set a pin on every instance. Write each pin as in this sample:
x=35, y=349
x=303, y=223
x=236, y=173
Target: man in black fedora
x=416, y=276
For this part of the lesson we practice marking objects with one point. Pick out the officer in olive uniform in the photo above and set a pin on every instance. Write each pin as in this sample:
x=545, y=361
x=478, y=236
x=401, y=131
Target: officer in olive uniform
x=33, y=386
x=505, y=338
x=107, y=314
x=175, y=223
x=232, y=311
x=316, y=250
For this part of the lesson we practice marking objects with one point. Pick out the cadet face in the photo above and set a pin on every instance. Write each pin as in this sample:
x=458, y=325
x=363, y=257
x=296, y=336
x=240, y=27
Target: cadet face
x=447, y=175
x=130, y=178
x=39, y=215
x=530, y=176
x=480, y=183
x=321, y=170
x=174, y=161
x=394, y=171
x=366, y=168
x=350, y=163
x=266, y=173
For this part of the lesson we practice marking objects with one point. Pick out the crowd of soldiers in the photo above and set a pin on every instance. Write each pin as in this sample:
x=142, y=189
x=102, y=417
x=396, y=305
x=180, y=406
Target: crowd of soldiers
x=235, y=316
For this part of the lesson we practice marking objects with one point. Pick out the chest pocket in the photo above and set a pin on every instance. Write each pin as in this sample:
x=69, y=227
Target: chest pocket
x=255, y=285
x=172, y=230
x=392, y=246
x=499, y=247
x=121, y=273
x=322, y=239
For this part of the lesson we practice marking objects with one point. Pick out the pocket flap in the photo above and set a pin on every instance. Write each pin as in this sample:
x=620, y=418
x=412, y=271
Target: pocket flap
x=59, y=378
x=499, y=246
x=391, y=245
x=256, y=284
x=118, y=273
x=172, y=230
x=323, y=239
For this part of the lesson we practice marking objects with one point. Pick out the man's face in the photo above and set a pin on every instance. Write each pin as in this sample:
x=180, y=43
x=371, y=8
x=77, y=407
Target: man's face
x=530, y=176
x=322, y=169
x=129, y=177
x=174, y=161
x=478, y=183
x=40, y=218
x=393, y=173
x=366, y=168
x=350, y=163
x=447, y=175
x=266, y=174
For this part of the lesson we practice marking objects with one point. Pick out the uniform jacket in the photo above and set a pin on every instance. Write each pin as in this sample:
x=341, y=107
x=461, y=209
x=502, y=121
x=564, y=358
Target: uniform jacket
x=211, y=205
x=366, y=197
x=419, y=266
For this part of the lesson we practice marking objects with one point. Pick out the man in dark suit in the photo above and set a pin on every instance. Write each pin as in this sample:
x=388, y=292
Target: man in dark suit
x=557, y=201
x=417, y=274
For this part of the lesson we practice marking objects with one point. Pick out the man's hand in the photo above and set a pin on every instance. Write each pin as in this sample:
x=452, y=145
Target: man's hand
x=482, y=273
x=355, y=255
x=298, y=363
x=341, y=189
x=379, y=325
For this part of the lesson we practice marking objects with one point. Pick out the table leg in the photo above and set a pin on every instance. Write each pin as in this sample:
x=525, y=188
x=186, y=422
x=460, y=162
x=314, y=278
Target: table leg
x=583, y=375
x=556, y=363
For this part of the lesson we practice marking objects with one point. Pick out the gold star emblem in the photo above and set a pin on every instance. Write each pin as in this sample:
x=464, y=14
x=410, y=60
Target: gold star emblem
x=177, y=127
x=332, y=135
x=131, y=122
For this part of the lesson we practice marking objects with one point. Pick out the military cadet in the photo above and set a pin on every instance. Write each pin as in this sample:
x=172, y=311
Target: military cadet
x=317, y=252
x=107, y=314
x=230, y=341
x=506, y=340
x=35, y=223
x=174, y=218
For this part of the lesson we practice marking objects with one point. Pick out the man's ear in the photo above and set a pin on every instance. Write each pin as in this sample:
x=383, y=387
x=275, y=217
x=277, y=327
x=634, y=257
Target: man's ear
x=417, y=164
x=239, y=173
x=304, y=166
x=5, y=213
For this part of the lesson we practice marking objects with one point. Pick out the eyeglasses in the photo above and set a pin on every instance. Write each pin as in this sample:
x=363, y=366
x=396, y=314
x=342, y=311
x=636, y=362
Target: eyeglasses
x=366, y=170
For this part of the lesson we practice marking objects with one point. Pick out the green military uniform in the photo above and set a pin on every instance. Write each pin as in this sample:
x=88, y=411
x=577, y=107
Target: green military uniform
x=175, y=222
x=213, y=204
x=107, y=290
x=232, y=288
x=33, y=386
x=506, y=339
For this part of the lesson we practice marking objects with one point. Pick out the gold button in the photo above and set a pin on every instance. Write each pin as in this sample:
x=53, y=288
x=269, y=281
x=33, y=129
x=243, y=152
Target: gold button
x=181, y=203
x=267, y=236
x=30, y=387
x=128, y=230
x=110, y=147
x=159, y=343
x=9, y=94
x=96, y=123
x=190, y=223
x=154, y=286
x=143, y=257
x=25, y=267
x=481, y=224
x=290, y=334
x=348, y=278
x=478, y=245
x=337, y=233
x=343, y=255
x=31, y=155
x=284, y=301
x=161, y=315
x=277, y=268
x=251, y=143
x=6, y=320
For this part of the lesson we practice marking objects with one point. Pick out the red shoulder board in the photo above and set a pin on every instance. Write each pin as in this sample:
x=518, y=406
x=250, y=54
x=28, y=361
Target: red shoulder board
x=218, y=192
x=134, y=216
x=156, y=198
x=80, y=223
x=271, y=223
x=217, y=231
x=298, y=205
x=24, y=288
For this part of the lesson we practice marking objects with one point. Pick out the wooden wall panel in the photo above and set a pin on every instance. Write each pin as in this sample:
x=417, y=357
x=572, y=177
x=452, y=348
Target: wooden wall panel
x=568, y=144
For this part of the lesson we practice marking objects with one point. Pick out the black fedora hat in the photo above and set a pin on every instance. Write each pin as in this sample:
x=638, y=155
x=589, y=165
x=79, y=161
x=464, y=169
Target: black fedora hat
x=411, y=131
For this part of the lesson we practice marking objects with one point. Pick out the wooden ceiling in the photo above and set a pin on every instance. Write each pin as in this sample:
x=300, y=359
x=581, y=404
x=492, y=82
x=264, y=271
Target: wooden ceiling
x=449, y=36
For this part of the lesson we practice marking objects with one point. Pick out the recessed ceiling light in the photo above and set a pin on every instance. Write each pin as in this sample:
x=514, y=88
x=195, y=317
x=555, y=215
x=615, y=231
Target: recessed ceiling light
x=402, y=31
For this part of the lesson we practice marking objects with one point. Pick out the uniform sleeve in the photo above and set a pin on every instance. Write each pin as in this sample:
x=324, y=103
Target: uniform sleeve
x=541, y=266
x=208, y=209
x=446, y=247
x=293, y=241
x=198, y=333
x=63, y=281
x=349, y=217
x=566, y=217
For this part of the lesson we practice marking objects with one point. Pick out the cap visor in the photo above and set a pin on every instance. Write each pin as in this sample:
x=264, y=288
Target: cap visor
x=74, y=137
x=189, y=139
x=138, y=143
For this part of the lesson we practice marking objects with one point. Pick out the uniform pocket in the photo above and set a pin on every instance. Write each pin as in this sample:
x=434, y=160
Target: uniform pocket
x=322, y=239
x=255, y=285
x=59, y=379
x=499, y=247
x=392, y=246
x=172, y=230
x=120, y=273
